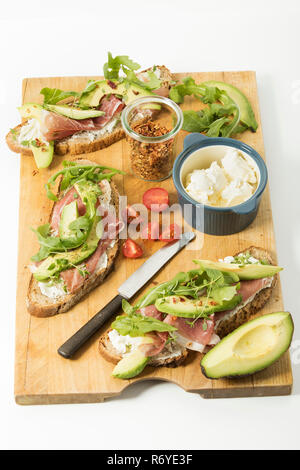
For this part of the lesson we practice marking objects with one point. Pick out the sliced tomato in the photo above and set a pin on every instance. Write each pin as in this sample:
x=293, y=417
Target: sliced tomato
x=156, y=199
x=131, y=216
x=131, y=249
x=151, y=231
x=171, y=233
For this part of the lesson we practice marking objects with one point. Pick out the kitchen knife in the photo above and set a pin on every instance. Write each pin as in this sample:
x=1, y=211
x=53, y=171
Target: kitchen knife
x=127, y=290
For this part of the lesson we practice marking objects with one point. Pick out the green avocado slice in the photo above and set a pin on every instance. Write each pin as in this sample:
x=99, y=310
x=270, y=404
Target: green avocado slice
x=247, y=116
x=54, y=264
x=181, y=306
x=74, y=113
x=250, y=348
x=68, y=215
x=245, y=272
x=43, y=153
x=42, y=150
x=131, y=365
x=129, y=92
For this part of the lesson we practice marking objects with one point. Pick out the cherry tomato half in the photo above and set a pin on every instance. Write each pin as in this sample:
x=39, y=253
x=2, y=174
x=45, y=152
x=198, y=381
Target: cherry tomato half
x=156, y=199
x=131, y=249
x=171, y=233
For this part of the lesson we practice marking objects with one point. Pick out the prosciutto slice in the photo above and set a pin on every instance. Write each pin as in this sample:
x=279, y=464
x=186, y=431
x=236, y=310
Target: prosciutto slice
x=158, y=344
x=73, y=279
x=69, y=197
x=111, y=106
x=151, y=311
x=55, y=126
x=199, y=332
x=247, y=289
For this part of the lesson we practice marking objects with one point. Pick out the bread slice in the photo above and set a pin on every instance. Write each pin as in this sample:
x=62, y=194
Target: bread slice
x=243, y=314
x=172, y=355
x=226, y=325
x=40, y=305
x=81, y=143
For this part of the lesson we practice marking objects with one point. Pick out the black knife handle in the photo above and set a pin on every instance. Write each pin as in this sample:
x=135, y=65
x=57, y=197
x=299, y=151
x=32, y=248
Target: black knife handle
x=90, y=328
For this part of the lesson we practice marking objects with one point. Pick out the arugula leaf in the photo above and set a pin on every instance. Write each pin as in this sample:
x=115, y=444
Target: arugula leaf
x=54, y=95
x=127, y=308
x=152, y=83
x=112, y=67
x=187, y=87
x=72, y=173
x=214, y=120
x=138, y=325
x=48, y=243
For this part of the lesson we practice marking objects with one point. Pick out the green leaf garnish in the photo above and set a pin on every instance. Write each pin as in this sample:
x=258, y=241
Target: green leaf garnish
x=54, y=95
x=138, y=325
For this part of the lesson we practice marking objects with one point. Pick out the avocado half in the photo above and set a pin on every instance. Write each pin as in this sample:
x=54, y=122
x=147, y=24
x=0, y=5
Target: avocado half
x=250, y=348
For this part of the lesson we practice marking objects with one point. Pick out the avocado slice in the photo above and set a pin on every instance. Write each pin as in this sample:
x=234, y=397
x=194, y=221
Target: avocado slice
x=102, y=87
x=250, y=348
x=68, y=215
x=131, y=365
x=129, y=92
x=74, y=113
x=181, y=306
x=54, y=264
x=245, y=272
x=42, y=152
x=247, y=116
x=31, y=110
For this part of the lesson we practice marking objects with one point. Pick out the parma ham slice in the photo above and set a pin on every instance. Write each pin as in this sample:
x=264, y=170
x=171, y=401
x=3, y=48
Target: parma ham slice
x=56, y=127
x=69, y=197
x=201, y=331
x=158, y=344
x=111, y=106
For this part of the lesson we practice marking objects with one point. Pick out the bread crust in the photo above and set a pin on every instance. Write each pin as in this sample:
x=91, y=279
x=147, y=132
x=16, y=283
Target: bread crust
x=227, y=325
x=42, y=306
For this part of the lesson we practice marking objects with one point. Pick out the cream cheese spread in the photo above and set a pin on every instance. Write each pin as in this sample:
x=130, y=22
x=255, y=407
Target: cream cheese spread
x=94, y=135
x=31, y=131
x=124, y=344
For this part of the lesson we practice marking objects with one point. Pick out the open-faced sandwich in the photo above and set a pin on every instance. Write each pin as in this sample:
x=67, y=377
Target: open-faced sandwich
x=82, y=122
x=191, y=312
x=79, y=245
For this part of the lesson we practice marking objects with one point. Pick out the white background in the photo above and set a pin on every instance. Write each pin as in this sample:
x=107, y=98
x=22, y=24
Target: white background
x=71, y=38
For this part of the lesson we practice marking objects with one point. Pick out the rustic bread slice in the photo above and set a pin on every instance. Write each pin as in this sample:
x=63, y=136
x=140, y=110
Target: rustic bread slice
x=172, y=357
x=242, y=315
x=40, y=305
x=13, y=144
x=81, y=142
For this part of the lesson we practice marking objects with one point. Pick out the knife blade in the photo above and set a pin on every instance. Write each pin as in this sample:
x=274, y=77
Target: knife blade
x=127, y=290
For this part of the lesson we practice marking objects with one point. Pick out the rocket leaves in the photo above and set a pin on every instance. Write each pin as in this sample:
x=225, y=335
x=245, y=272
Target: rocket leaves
x=138, y=325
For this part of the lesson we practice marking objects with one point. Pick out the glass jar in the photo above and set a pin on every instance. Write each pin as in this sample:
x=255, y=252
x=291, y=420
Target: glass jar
x=152, y=124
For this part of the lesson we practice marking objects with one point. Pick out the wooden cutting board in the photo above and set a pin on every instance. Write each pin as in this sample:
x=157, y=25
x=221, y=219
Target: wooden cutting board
x=41, y=375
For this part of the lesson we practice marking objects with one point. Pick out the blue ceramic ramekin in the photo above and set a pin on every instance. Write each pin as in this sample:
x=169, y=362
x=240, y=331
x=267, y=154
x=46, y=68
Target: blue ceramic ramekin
x=217, y=220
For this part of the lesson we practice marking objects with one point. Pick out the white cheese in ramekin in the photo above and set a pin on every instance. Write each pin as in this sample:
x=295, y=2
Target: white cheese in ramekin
x=226, y=183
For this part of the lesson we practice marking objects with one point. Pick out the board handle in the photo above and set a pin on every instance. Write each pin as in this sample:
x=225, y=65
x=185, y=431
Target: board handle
x=69, y=348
